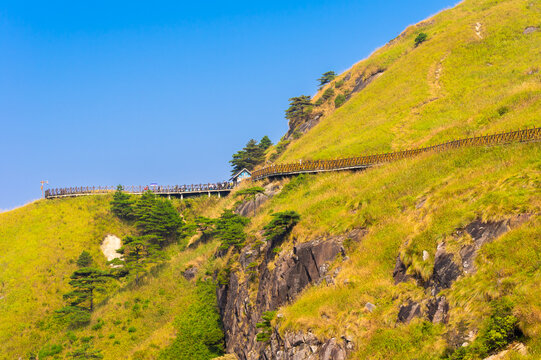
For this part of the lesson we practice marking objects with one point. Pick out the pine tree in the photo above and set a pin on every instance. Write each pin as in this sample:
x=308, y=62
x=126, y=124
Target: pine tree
x=122, y=204
x=163, y=221
x=84, y=259
x=249, y=157
x=281, y=224
x=298, y=108
x=326, y=78
x=138, y=252
x=230, y=229
x=85, y=282
x=265, y=143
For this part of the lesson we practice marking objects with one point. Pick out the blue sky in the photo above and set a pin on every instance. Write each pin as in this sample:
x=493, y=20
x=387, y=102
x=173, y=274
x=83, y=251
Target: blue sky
x=96, y=93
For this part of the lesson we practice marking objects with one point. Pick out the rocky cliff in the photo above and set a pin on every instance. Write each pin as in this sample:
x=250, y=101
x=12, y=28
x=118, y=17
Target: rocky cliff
x=275, y=281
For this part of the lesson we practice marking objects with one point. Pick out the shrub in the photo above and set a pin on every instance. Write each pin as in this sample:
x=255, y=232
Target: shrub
x=329, y=93
x=339, y=83
x=265, y=326
x=98, y=325
x=132, y=329
x=319, y=102
x=500, y=330
x=420, y=38
x=502, y=110
x=84, y=259
x=281, y=224
x=49, y=350
x=339, y=100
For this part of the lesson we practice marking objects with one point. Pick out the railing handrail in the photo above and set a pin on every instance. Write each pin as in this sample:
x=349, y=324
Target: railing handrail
x=139, y=189
x=369, y=160
x=310, y=166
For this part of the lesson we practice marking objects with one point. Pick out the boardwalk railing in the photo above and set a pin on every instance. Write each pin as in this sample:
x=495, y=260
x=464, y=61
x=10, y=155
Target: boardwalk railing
x=161, y=190
x=361, y=162
x=310, y=166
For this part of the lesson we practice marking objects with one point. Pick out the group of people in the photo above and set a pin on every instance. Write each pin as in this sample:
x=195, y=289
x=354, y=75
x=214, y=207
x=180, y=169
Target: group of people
x=224, y=185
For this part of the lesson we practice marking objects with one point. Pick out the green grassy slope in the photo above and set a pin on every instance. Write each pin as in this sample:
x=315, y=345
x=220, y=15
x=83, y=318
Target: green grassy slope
x=40, y=243
x=455, y=84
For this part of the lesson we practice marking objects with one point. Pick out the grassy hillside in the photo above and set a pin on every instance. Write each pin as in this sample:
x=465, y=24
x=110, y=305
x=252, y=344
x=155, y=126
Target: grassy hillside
x=40, y=243
x=476, y=73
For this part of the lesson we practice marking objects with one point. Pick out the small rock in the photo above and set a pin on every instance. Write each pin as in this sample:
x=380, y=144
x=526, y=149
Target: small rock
x=520, y=348
x=426, y=255
x=370, y=307
x=529, y=30
x=420, y=203
x=190, y=273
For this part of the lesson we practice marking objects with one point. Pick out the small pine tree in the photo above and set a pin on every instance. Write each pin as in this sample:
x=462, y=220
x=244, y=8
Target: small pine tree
x=138, y=253
x=420, y=38
x=122, y=204
x=265, y=326
x=249, y=157
x=326, y=78
x=298, y=107
x=84, y=260
x=163, y=221
x=85, y=282
x=281, y=224
x=230, y=229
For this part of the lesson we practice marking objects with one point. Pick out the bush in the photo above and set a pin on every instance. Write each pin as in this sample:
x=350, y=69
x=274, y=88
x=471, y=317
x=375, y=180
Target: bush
x=281, y=224
x=420, y=38
x=132, y=329
x=500, y=330
x=265, y=326
x=339, y=83
x=329, y=93
x=339, y=100
x=49, y=350
x=199, y=329
x=503, y=110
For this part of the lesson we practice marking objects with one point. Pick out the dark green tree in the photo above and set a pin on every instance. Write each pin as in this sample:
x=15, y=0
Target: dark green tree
x=122, y=204
x=138, y=253
x=162, y=221
x=298, y=108
x=420, y=38
x=84, y=259
x=249, y=157
x=85, y=282
x=250, y=194
x=265, y=143
x=230, y=229
x=265, y=326
x=143, y=207
x=326, y=78
x=75, y=316
x=281, y=224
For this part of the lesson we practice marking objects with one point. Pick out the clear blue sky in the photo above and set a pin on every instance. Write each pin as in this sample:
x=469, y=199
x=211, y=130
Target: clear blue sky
x=96, y=93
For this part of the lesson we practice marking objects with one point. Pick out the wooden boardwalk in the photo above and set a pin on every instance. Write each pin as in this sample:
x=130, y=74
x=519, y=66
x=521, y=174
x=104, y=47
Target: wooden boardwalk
x=181, y=191
x=310, y=166
x=362, y=162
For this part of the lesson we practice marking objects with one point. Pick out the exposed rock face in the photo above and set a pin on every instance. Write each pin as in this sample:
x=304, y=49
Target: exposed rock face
x=302, y=127
x=300, y=346
x=361, y=82
x=447, y=269
x=293, y=271
x=248, y=207
x=409, y=311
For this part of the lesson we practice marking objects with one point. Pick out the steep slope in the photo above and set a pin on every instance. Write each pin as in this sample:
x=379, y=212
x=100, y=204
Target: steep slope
x=443, y=242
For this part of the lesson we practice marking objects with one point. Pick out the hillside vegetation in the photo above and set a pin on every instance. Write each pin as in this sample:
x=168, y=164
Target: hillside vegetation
x=476, y=71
